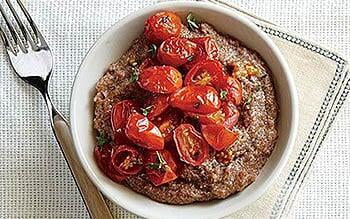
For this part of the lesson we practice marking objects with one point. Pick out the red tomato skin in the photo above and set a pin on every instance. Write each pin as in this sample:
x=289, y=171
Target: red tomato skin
x=209, y=45
x=167, y=122
x=160, y=79
x=120, y=113
x=196, y=99
x=187, y=130
x=218, y=136
x=176, y=51
x=143, y=132
x=162, y=26
x=217, y=117
x=148, y=62
x=130, y=151
x=103, y=157
x=231, y=114
x=233, y=87
x=120, y=138
x=227, y=115
x=206, y=49
x=159, y=177
x=210, y=71
x=159, y=104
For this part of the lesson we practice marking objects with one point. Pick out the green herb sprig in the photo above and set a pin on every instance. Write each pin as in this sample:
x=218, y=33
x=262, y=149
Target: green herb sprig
x=146, y=110
x=192, y=22
x=101, y=140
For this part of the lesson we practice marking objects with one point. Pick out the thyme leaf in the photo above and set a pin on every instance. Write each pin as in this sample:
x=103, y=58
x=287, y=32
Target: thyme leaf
x=190, y=58
x=196, y=105
x=152, y=49
x=223, y=94
x=192, y=22
x=146, y=110
x=135, y=72
x=101, y=140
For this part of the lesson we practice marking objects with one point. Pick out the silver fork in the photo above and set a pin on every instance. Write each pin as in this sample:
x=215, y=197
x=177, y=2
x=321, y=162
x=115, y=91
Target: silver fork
x=31, y=59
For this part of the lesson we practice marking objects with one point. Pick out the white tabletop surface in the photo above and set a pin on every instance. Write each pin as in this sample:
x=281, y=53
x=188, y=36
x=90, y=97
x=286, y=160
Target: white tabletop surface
x=34, y=181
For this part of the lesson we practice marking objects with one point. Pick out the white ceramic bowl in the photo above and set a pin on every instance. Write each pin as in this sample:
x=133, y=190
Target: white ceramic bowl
x=114, y=42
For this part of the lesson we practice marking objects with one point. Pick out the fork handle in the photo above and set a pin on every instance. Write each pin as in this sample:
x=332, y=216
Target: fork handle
x=93, y=199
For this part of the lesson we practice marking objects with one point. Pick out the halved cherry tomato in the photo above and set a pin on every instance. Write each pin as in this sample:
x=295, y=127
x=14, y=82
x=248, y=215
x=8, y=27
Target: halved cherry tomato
x=162, y=26
x=207, y=72
x=233, y=88
x=176, y=51
x=160, y=167
x=207, y=49
x=143, y=132
x=217, y=117
x=227, y=115
x=167, y=122
x=209, y=45
x=160, y=79
x=148, y=62
x=191, y=146
x=158, y=104
x=196, y=99
x=231, y=114
x=120, y=137
x=218, y=136
x=127, y=160
x=103, y=156
x=120, y=113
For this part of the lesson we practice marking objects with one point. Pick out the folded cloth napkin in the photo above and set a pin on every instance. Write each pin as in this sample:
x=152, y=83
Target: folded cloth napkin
x=323, y=82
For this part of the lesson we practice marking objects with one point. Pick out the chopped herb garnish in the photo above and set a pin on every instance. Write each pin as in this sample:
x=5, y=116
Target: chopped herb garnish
x=223, y=94
x=135, y=71
x=249, y=101
x=152, y=49
x=190, y=58
x=155, y=166
x=258, y=87
x=101, y=140
x=160, y=165
x=134, y=76
x=192, y=22
x=146, y=110
x=196, y=105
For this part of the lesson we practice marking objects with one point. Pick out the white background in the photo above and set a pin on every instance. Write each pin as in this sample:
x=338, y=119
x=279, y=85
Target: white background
x=34, y=180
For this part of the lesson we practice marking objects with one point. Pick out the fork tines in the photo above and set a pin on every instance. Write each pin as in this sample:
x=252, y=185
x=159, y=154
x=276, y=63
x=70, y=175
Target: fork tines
x=19, y=35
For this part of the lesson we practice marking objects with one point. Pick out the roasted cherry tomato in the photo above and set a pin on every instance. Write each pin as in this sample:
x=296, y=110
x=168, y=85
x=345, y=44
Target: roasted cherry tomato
x=167, y=122
x=120, y=113
x=191, y=146
x=207, y=72
x=160, y=79
x=233, y=89
x=227, y=115
x=206, y=49
x=147, y=63
x=196, y=99
x=209, y=45
x=127, y=160
x=231, y=114
x=160, y=167
x=217, y=117
x=162, y=26
x=120, y=137
x=143, y=132
x=176, y=51
x=156, y=105
x=103, y=156
x=218, y=136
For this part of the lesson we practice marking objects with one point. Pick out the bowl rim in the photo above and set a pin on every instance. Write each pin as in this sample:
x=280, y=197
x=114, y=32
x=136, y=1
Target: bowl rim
x=220, y=9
